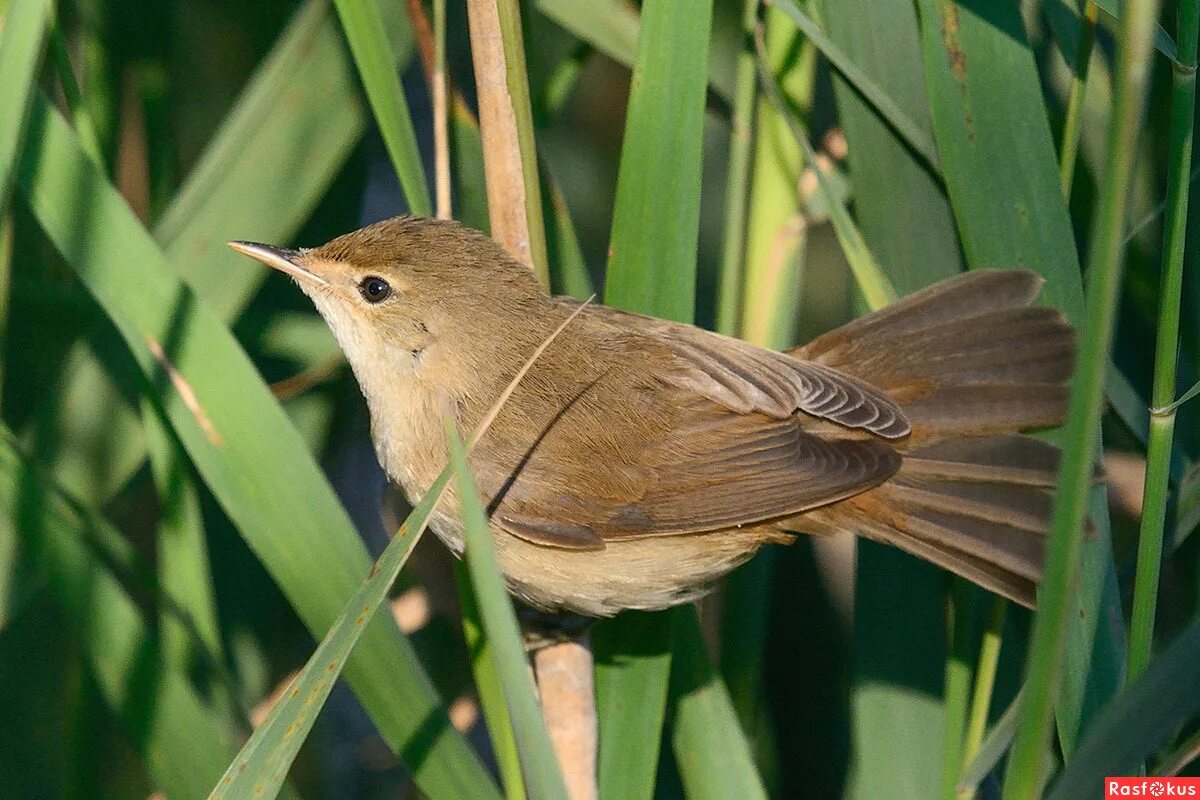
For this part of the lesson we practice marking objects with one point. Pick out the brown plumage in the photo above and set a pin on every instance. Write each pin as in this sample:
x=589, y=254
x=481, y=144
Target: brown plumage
x=640, y=459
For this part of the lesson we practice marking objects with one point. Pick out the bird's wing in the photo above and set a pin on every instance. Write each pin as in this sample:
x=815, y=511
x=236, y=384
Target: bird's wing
x=745, y=378
x=717, y=469
x=723, y=448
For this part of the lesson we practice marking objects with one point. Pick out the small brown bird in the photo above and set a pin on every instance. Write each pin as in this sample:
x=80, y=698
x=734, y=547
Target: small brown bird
x=640, y=460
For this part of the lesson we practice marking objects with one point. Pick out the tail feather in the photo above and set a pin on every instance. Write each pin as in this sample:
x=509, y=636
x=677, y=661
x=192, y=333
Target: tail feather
x=971, y=365
x=984, y=409
x=1009, y=346
x=1014, y=459
x=966, y=356
x=965, y=296
x=985, y=571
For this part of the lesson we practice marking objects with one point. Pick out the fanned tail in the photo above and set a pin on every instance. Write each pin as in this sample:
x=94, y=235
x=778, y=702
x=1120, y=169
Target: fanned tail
x=972, y=364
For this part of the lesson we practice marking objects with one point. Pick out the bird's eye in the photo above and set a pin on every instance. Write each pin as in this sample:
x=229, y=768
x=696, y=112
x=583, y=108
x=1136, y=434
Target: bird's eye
x=374, y=289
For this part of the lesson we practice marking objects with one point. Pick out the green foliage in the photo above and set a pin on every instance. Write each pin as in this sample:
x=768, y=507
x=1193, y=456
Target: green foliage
x=262, y=763
x=363, y=24
x=24, y=35
x=499, y=625
x=239, y=439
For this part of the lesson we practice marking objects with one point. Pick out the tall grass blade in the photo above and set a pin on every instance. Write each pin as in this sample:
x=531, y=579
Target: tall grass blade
x=183, y=738
x=271, y=160
x=737, y=187
x=1163, y=42
x=989, y=122
x=776, y=232
x=568, y=269
x=81, y=119
x=872, y=281
x=915, y=136
x=26, y=24
x=915, y=240
x=1141, y=720
x=651, y=269
x=1162, y=399
x=240, y=442
x=183, y=569
x=264, y=760
x=985, y=682
x=991, y=749
x=1024, y=777
x=652, y=252
x=538, y=761
x=633, y=664
x=362, y=22
x=714, y=758
x=611, y=26
x=897, y=722
x=1073, y=123
x=957, y=683
x=491, y=692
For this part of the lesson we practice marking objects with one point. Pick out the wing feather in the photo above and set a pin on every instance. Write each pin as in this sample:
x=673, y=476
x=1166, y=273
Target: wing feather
x=745, y=378
x=715, y=442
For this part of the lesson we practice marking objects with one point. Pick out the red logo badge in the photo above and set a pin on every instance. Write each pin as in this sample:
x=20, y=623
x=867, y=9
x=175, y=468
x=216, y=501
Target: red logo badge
x=1116, y=788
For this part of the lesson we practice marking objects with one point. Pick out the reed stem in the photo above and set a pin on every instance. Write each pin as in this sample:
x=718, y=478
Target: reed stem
x=1027, y=763
x=441, y=123
x=1162, y=413
x=985, y=681
x=737, y=190
x=1073, y=125
x=957, y=691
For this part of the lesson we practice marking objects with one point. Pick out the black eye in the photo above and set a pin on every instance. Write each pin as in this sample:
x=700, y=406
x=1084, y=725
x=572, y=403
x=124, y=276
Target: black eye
x=374, y=289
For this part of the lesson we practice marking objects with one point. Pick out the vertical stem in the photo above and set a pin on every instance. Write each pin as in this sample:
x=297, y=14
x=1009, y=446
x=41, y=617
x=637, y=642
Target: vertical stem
x=1072, y=126
x=564, y=679
x=737, y=191
x=776, y=228
x=362, y=23
x=6, y=254
x=1188, y=752
x=1162, y=420
x=764, y=250
x=441, y=130
x=985, y=680
x=506, y=124
x=957, y=690
x=487, y=683
x=1027, y=764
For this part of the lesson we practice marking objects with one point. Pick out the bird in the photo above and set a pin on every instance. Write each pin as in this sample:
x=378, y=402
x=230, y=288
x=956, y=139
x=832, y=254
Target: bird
x=640, y=460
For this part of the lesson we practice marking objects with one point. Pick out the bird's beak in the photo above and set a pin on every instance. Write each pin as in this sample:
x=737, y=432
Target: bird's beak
x=281, y=258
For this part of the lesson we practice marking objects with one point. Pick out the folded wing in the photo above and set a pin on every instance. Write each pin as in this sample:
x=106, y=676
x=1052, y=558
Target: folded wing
x=728, y=450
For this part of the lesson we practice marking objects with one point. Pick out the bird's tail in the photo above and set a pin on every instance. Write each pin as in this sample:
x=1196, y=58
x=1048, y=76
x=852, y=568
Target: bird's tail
x=972, y=364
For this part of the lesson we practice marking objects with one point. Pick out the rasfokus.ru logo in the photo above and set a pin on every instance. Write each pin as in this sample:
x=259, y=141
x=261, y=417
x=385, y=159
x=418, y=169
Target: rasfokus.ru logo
x=1151, y=787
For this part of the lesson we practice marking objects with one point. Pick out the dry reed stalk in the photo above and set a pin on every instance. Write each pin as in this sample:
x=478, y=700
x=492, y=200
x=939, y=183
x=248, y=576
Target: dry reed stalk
x=563, y=670
x=564, y=676
x=510, y=166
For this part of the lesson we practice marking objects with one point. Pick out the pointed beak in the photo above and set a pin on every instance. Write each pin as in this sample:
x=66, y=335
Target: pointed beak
x=281, y=258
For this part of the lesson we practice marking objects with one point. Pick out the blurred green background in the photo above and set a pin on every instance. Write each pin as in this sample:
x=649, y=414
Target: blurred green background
x=141, y=635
